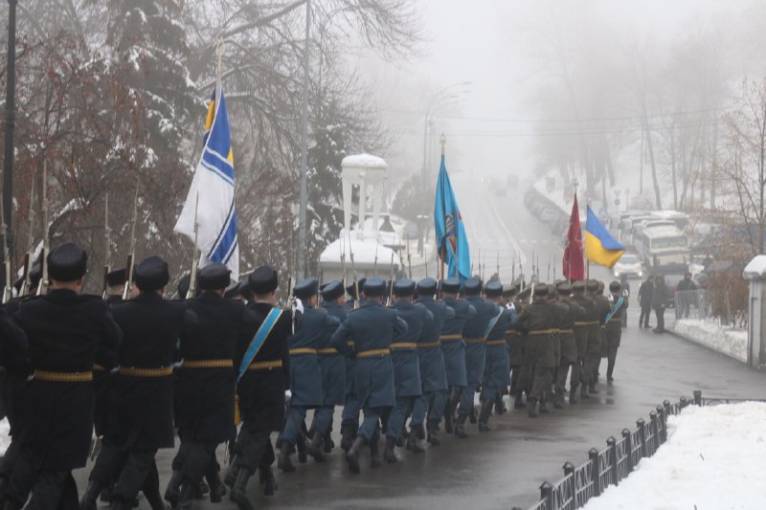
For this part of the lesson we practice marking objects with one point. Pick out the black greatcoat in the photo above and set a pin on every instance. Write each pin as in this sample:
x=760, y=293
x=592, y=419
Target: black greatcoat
x=262, y=392
x=142, y=417
x=204, y=399
x=67, y=332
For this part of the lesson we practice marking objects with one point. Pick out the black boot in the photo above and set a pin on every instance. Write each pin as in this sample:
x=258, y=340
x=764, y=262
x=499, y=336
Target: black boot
x=413, y=443
x=346, y=436
x=500, y=408
x=88, y=500
x=300, y=445
x=389, y=455
x=433, y=434
x=484, y=414
x=231, y=475
x=239, y=492
x=449, y=414
x=329, y=444
x=584, y=392
x=573, y=395
x=518, y=402
x=268, y=481
x=375, y=453
x=460, y=427
x=186, y=496
x=472, y=416
x=352, y=456
x=315, y=447
x=217, y=488
x=154, y=499
x=283, y=462
x=532, y=408
x=544, y=407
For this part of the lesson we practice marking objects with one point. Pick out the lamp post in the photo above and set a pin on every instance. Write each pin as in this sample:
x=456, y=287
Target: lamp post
x=10, y=124
x=445, y=94
x=303, y=190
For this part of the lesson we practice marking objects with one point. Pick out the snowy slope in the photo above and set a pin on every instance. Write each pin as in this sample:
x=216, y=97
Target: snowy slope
x=712, y=461
x=710, y=333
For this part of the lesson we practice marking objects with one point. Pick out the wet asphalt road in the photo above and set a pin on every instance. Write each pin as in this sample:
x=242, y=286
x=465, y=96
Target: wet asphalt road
x=503, y=468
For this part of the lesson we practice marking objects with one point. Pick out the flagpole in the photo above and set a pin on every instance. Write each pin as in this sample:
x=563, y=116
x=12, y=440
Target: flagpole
x=443, y=141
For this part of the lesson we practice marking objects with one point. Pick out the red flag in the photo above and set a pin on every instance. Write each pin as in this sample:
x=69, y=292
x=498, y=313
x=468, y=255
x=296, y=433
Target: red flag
x=574, y=267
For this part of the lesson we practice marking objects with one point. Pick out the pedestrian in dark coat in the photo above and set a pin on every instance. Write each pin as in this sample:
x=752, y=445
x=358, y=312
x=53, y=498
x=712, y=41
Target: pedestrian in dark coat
x=660, y=296
x=372, y=329
x=645, y=294
x=68, y=334
x=261, y=387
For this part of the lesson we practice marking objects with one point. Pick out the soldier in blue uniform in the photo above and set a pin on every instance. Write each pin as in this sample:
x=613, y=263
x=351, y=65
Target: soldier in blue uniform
x=312, y=333
x=372, y=329
x=453, y=348
x=433, y=372
x=496, y=373
x=333, y=366
x=475, y=334
x=404, y=352
x=350, y=417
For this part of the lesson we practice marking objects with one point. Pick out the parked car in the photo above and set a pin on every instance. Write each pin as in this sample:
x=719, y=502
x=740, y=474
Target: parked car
x=629, y=265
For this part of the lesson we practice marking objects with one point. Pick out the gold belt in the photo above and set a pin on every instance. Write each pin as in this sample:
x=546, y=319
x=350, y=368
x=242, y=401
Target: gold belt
x=512, y=333
x=146, y=372
x=328, y=351
x=551, y=331
x=451, y=338
x=403, y=346
x=302, y=350
x=474, y=341
x=429, y=345
x=265, y=365
x=374, y=353
x=586, y=323
x=208, y=363
x=496, y=343
x=567, y=331
x=63, y=377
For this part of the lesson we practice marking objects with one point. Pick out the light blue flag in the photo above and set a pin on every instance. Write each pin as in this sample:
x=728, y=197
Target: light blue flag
x=451, y=239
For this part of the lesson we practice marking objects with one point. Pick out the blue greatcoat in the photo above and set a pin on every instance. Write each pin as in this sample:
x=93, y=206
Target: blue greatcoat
x=453, y=346
x=474, y=333
x=314, y=328
x=497, y=368
x=406, y=362
x=333, y=365
x=432, y=369
x=371, y=327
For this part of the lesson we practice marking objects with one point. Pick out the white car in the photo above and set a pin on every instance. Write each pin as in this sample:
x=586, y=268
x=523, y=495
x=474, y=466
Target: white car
x=630, y=266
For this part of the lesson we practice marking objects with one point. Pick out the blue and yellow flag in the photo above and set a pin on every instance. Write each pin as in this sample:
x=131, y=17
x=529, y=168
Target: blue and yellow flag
x=451, y=239
x=600, y=247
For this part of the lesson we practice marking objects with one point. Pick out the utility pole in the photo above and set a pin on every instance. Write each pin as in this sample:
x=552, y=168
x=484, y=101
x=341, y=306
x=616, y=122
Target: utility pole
x=10, y=124
x=301, y=256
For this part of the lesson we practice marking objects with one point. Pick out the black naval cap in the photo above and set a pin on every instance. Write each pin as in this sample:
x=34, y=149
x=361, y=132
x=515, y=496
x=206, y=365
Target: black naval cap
x=593, y=285
x=451, y=285
x=615, y=286
x=404, y=287
x=541, y=290
x=493, y=289
x=214, y=276
x=306, y=288
x=578, y=286
x=351, y=289
x=117, y=277
x=472, y=286
x=152, y=274
x=332, y=290
x=263, y=280
x=67, y=263
x=564, y=288
x=427, y=286
x=374, y=287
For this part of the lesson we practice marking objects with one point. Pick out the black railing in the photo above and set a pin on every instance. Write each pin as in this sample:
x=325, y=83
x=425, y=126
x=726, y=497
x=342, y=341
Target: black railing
x=616, y=462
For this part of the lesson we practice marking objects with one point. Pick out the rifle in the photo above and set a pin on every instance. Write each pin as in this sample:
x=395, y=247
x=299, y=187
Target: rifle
x=132, y=254
x=42, y=287
x=195, y=256
x=409, y=262
x=356, y=280
x=531, y=292
x=25, y=276
x=391, y=279
x=107, y=267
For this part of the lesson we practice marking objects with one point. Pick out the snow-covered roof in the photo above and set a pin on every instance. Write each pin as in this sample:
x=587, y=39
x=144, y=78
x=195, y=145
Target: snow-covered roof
x=756, y=268
x=365, y=253
x=364, y=161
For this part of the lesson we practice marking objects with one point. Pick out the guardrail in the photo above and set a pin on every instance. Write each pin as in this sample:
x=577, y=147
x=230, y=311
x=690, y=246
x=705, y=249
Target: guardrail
x=616, y=462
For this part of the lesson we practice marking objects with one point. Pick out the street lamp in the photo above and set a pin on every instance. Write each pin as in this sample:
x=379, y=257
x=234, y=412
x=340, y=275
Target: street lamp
x=444, y=95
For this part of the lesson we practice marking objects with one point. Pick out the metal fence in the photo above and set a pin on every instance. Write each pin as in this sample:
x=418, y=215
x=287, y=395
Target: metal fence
x=615, y=462
x=709, y=304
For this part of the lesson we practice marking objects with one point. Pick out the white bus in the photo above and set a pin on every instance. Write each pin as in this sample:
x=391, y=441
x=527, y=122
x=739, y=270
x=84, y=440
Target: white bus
x=663, y=245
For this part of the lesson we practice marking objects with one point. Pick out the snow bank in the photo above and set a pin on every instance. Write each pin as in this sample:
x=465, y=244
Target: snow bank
x=363, y=161
x=5, y=438
x=713, y=460
x=710, y=333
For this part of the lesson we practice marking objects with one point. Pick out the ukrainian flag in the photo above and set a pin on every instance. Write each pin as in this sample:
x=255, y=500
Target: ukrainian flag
x=600, y=247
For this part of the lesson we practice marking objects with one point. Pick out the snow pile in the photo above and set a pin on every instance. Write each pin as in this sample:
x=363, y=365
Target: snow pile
x=713, y=460
x=5, y=438
x=363, y=161
x=710, y=333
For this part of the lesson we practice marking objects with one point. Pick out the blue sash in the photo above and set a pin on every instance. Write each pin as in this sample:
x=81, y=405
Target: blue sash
x=258, y=340
x=614, y=309
x=492, y=323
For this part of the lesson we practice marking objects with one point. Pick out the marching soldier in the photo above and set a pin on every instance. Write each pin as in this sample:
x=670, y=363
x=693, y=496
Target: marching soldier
x=569, y=312
x=582, y=332
x=404, y=354
x=68, y=334
x=475, y=333
x=204, y=387
x=516, y=356
x=430, y=406
x=539, y=320
x=372, y=329
x=602, y=306
x=350, y=417
x=311, y=335
x=614, y=323
x=262, y=362
x=453, y=349
x=496, y=373
x=333, y=366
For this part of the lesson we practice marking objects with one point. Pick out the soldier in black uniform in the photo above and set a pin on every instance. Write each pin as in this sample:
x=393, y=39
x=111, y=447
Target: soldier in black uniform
x=142, y=413
x=68, y=333
x=204, y=387
x=540, y=322
x=261, y=388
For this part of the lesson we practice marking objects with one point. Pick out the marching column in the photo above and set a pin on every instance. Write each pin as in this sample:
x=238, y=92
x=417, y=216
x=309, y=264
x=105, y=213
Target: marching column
x=496, y=373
